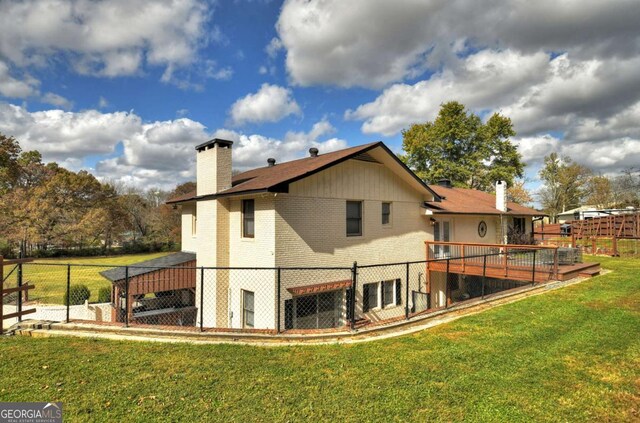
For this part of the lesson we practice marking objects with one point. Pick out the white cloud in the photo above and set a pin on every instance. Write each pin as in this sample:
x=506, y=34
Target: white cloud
x=270, y=104
x=103, y=103
x=372, y=43
x=487, y=79
x=12, y=87
x=59, y=135
x=274, y=47
x=253, y=150
x=606, y=156
x=56, y=100
x=104, y=38
x=159, y=153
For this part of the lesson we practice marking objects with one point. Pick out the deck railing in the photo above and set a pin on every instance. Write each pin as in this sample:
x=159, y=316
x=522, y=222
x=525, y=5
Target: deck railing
x=505, y=261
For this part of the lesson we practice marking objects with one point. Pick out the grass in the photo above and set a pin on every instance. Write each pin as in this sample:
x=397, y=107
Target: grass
x=50, y=275
x=569, y=355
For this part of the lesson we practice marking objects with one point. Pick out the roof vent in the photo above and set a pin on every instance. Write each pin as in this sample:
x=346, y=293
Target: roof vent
x=271, y=161
x=444, y=182
x=313, y=152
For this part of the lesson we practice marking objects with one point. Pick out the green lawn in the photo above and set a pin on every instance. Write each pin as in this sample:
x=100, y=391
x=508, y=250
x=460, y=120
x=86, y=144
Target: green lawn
x=50, y=278
x=569, y=355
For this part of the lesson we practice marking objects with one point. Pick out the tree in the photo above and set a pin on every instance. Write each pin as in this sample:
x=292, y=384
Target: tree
x=9, y=166
x=626, y=188
x=564, y=182
x=599, y=193
x=519, y=194
x=458, y=146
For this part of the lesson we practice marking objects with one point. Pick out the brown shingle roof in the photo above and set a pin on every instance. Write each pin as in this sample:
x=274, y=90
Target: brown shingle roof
x=471, y=201
x=275, y=177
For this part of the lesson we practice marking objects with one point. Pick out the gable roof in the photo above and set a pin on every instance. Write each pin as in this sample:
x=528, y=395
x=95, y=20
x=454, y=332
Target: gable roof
x=277, y=178
x=471, y=201
x=148, y=266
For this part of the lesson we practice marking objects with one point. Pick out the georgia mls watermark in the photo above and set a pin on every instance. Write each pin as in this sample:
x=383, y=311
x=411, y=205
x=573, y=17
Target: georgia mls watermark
x=30, y=412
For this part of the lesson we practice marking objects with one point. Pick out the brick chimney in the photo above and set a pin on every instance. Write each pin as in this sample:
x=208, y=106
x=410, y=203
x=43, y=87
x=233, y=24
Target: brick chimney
x=213, y=166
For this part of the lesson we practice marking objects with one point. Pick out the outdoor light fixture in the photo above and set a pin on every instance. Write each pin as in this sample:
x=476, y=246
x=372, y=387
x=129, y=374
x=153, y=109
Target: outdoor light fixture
x=433, y=221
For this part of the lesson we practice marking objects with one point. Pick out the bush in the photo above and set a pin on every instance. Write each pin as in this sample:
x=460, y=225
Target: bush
x=78, y=293
x=104, y=295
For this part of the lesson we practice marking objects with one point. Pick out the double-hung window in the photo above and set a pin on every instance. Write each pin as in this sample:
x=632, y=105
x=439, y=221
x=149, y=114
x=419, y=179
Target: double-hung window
x=354, y=218
x=386, y=213
x=248, y=218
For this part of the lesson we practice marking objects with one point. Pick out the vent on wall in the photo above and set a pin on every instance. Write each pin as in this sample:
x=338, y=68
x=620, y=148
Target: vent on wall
x=365, y=157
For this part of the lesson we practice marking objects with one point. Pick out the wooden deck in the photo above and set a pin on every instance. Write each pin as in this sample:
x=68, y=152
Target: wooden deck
x=516, y=262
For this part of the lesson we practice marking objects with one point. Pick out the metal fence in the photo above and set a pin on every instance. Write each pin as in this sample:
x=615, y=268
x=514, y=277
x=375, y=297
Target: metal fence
x=262, y=300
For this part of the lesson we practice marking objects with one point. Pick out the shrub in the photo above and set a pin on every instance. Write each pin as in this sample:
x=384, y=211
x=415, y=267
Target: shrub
x=78, y=293
x=104, y=295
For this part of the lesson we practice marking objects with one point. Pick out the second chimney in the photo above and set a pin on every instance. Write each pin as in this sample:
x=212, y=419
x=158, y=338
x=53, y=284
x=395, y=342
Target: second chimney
x=271, y=161
x=313, y=152
x=501, y=196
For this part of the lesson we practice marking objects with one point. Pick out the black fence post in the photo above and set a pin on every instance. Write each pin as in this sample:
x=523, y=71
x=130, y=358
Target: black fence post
x=406, y=296
x=484, y=273
x=20, y=292
x=279, y=288
x=354, y=285
x=533, y=271
x=68, y=290
x=447, y=284
x=202, y=299
x=126, y=297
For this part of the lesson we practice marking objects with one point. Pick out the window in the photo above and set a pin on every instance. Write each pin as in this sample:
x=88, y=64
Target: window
x=442, y=232
x=247, y=309
x=391, y=293
x=386, y=213
x=317, y=311
x=518, y=225
x=370, y=296
x=354, y=218
x=388, y=293
x=248, y=218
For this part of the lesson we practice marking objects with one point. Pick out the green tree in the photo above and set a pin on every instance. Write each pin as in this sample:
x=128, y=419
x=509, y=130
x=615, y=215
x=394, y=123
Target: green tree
x=598, y=192
x=9, y=167
x=457, y=145
x=564, y=183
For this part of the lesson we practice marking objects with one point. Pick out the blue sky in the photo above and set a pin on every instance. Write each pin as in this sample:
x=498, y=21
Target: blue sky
x=126, y=89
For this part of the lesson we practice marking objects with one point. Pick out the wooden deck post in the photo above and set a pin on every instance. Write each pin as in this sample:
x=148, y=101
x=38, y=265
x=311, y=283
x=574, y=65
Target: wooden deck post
x=505, y=262
x=615, y=245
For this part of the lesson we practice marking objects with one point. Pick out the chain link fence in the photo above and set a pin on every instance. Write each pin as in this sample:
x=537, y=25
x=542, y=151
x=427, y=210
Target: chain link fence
x=262, y=300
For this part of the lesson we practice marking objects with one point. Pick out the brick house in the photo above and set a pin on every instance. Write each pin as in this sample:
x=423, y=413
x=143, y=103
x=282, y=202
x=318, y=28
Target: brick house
x=360, y=204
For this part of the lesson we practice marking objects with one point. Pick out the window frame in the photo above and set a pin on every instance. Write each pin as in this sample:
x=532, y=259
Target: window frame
x=387, y=215
x=245, y=310
x=383, y=295
x=522, y=222
x=245, y=218
x=359, y=219
x=373, y=286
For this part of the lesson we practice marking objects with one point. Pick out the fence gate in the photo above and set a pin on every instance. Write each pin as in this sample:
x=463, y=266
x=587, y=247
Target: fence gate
x=13, y=293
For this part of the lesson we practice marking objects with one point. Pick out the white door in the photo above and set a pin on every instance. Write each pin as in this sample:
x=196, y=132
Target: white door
x=442, y=232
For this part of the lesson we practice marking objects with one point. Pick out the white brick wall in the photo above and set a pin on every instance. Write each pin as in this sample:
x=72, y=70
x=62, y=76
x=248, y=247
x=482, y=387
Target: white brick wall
x=188, y=238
